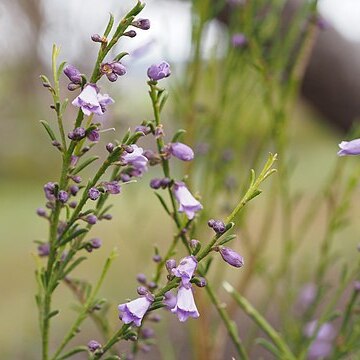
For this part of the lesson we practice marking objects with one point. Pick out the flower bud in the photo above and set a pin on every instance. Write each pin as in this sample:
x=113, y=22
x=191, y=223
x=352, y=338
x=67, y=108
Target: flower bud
x=63, y=196
x=219, y=227
x=93, y=345
x=141, y=278
x=74, y=189
x=91, y=219
x=181, y=151
x=156, y=258
x=231, y=257
x=130, y=33
x=147, y=333
x=158, y=72
x=73, y=74
x=118, y=68
x=199, y=281
x=170, y=264
x=195, y=246
x=155, y=184
x=43, y=249
x=93, y=135
x=110, y=147
x=41, y=212
x=94, y=194
x=141, y=290
x=143, y=24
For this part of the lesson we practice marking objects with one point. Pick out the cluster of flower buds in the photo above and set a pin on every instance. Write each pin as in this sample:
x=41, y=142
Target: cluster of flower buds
x=158, y=72
x=160, y=183
x=113, y=70
x=217, y=225
x=74, y=76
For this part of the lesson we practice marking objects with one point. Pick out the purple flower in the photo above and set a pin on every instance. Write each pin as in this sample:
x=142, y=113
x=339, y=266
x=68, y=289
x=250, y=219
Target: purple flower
x=185, y=270
x=118, y=68
x=113, y=70
x=143, y=24
x=181, y=151
x=112, y=187
x=41, y=212
x=93, y=345
x=185, y=305
x=43, y=249
x=136, y=159
x=93, y=135
x=307, y=295
x=319, y=350
x=326, y=331
x=349, y=147
x=63, y=196
x=91, y=219
x=238, y=40
x=91, y=102
x=134, y=311
x=231, y=256
x=49, y=189
x=94, y=193
x=93, y=244
x=73, y=74
x=188, y=203
x=147, y=333
x=218, y=226
x=170, y=300
x=77, y=134
x=158, y=72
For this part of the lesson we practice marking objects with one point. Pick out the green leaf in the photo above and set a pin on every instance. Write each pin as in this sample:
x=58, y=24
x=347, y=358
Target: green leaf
x=60, y=69
x=74, y=235
x=53, y=313
x=72, y=266
x=84, y=164
x=120, y=56
x=135, y=10
x=163, y=203
x=269, y=346
x=109, y=26
x=73, y=351
x=177, y=135
x=126, y=137
x=48, y=129
x=227, y=239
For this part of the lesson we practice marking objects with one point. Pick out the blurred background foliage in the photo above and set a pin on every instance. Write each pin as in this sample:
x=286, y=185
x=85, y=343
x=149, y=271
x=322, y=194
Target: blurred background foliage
x=237, y=104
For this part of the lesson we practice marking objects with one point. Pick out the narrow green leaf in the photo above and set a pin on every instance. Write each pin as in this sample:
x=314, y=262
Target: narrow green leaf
x=269, y=346
x=48, y=129
x=120, y=56
x=227, y=239
x=60, y=69
x=53, y=313
x=177, y=135
x=109, y=26
x=84, y=164
x=162, y=201
x=74, y=235
x=73, y=265
x=72, y=352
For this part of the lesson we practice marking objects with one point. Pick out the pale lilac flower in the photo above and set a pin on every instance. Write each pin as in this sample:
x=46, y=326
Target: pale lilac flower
x=185, y=270
x=158, y=72
x=349, y=147
x=188, y=203
x=307, y=295
x=170, y=300
x=134, y=311
x=136, y=159
x=185, y=305
x=91, y=102
x=181, y=151
x=326, y=332
x=231, y=256
x=319, y=350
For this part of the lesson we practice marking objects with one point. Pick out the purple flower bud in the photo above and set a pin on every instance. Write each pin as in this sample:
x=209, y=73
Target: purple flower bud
x=72, y=87
x=73, y=160
x=307, y=295
x=134, y=311
x=211, y=223
x=49, y=189
x=110, y=147
x=157, y=258
x=238, y=40
x=170, y=264
x=219, y=227
x=73, y=74
x=77, y=134
x=73, y=204
x=147, y=333
x=231, y=257
x=170, y=300
x=63, y=196
x=145, y=348
x=93, y=135
x=95, y=243
x=158, y=72
x=93, y=345
x=125, y=177
x=141, y=278
x=141, y=290
x=159, y=132
x=130, y=33
x=155, y=184
x=97, y=38
x=349, y=147
x=195, y=246
x=77, y=179
x=41, y=212
x=118, y=68
x=166, y=182
x=91, y=219
x=144, y=129
x=56, y=144
x=112, y=187
x=43, y=249
x=143, y=24
x=152, y=285
x=155, y=318
x=74, y=189
x=200, y=282
x=107, y=217
x=94, y=194
x=357, y=286
x=181, y=151
x=112, y=77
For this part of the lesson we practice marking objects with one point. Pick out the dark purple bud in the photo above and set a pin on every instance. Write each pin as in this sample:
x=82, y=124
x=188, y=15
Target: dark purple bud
x=93, y=193
x=93, y=345
x=63, y=196
x=170, y=264
x=143, y=24
x=56, y=144
x=238, y=40
x=165, y=182
x=211, y=223
x=72, y=87
x=141, y=290
x=112, y=77
x=130, y=33
x=74, y=189
x=181, y=151
x=91, y=219
x=73, y=74
x=49, y=190
x=144, y=129
x=93, y=244
x=219, y=227
x=147, y=333
x=97, y=38
x=43, y=249
x=152, y=285
x=93, y=135
x=141, y=278
x=145, y=348
x=157, y=258
x=41, y=212
x=107, y=217
x=77, y=134
x=73, y=204
x=129, y=149
x=118, y=68
x=231, y=256
x=77, y=179
x=110, y=147
x=357, y=286
x=112, y=187
x=125, y=177
x=199, y=281
x=73, y=160
x=155, y=184
x=155, y=318
x=158, y=72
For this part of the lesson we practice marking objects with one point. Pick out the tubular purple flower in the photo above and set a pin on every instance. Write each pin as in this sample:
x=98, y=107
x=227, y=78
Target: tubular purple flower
x=91, y=102
x=73, y=74
x=231, y=257
x=181, y=151
x=169, y=300
x=349, y=147
x=188, y=204
x=185, y=304
x=185, y=270
x=134, y=310
x=158, y=72
x=112, y=187
x=136, y=159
